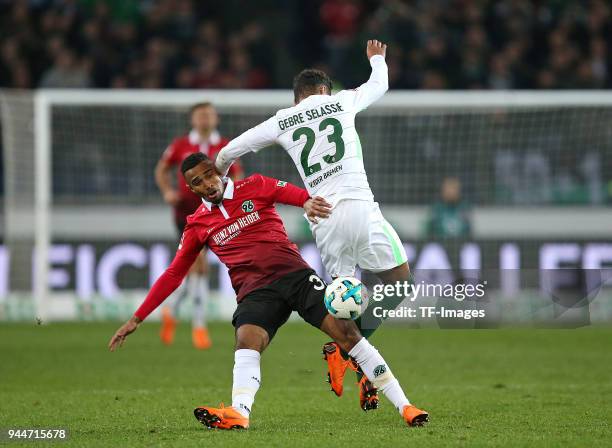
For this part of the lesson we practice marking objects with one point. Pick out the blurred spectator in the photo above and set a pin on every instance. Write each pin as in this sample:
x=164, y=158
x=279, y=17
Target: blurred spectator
x=66, y=72
x=208, y=74
x=449, y=218
x=598, y=61
x=13, y=69
x=241, y=75
x=436, y=44
x=500, y=75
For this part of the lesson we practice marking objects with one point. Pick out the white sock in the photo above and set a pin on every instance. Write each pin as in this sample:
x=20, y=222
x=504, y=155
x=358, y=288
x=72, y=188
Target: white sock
x=247, y=377
x=200, y=289
x=378, y=372
x=179, y=295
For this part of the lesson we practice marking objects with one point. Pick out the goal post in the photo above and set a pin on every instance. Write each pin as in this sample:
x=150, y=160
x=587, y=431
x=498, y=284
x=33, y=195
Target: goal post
x=42, y=202
x=78, y=176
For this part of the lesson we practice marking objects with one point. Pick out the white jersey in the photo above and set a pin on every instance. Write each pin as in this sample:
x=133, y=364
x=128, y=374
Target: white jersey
x=319, y=134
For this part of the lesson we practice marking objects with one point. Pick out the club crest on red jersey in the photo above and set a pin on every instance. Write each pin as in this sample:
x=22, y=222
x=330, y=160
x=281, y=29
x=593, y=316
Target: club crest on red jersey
x=248, y=206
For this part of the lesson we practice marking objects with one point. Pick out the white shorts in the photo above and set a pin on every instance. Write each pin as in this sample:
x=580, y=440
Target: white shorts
x=357, y=234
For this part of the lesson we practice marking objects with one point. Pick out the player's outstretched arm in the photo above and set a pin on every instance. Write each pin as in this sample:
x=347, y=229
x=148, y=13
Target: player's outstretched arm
x=163, y=172
x=262, y=135
x=162, y=178
x=378, y=83
x=186, y=254
x=286, y=193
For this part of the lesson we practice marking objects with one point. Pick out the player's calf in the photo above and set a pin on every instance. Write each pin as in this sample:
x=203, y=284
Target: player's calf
x=344, y=332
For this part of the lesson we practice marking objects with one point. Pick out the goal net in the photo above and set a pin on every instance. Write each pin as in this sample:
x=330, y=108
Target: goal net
x=84, y=224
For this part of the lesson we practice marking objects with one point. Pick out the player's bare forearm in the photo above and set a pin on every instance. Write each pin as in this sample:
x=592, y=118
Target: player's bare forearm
x=316, y=208
x=162, y=171
x=375, y=47
x=187, y=252
x=123, y=332
x=162, y=179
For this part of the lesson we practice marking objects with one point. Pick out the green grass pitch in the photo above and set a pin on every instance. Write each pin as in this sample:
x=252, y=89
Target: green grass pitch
x=514, y=388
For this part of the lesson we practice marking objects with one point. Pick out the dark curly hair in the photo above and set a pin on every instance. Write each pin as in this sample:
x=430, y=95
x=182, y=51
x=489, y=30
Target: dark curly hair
x=193, y=160
x=307, y=81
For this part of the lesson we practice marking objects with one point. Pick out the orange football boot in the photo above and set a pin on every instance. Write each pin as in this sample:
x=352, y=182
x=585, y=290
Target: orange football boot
x=368, y=394
x=168, y=326
x=200, y=338
x=221, y=418
x=413, y=416
x=336, y=367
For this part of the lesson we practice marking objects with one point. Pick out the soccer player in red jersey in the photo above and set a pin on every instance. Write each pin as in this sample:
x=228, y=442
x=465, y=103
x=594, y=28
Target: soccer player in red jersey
x=239, y=223
x=205, y=138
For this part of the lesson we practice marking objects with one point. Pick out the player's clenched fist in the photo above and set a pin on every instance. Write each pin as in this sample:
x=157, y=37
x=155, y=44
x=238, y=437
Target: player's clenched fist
x=375, y=47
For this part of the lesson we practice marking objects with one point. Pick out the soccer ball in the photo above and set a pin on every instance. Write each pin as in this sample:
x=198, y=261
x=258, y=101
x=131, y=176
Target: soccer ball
x=344, y=297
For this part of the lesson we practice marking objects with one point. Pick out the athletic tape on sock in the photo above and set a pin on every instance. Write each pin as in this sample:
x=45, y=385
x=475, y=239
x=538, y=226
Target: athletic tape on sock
x=243, y=390
x=382, y=379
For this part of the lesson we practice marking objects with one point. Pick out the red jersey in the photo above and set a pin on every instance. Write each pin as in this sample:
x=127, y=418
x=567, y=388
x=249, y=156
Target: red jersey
x=244, y=231
x=178, y=151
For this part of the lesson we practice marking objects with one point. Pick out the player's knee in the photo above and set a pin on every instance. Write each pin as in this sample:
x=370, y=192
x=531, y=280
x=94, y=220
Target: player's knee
x=252, y=337
x=397, y=274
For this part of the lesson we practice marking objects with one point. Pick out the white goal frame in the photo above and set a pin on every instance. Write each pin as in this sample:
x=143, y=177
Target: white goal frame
x=46, y=99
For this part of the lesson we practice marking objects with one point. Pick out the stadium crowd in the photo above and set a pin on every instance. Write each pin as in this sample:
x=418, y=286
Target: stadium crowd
x=434, y=44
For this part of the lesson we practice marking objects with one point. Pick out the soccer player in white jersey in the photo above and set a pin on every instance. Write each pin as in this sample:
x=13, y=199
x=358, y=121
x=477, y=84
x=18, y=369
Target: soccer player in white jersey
x=319, y=134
